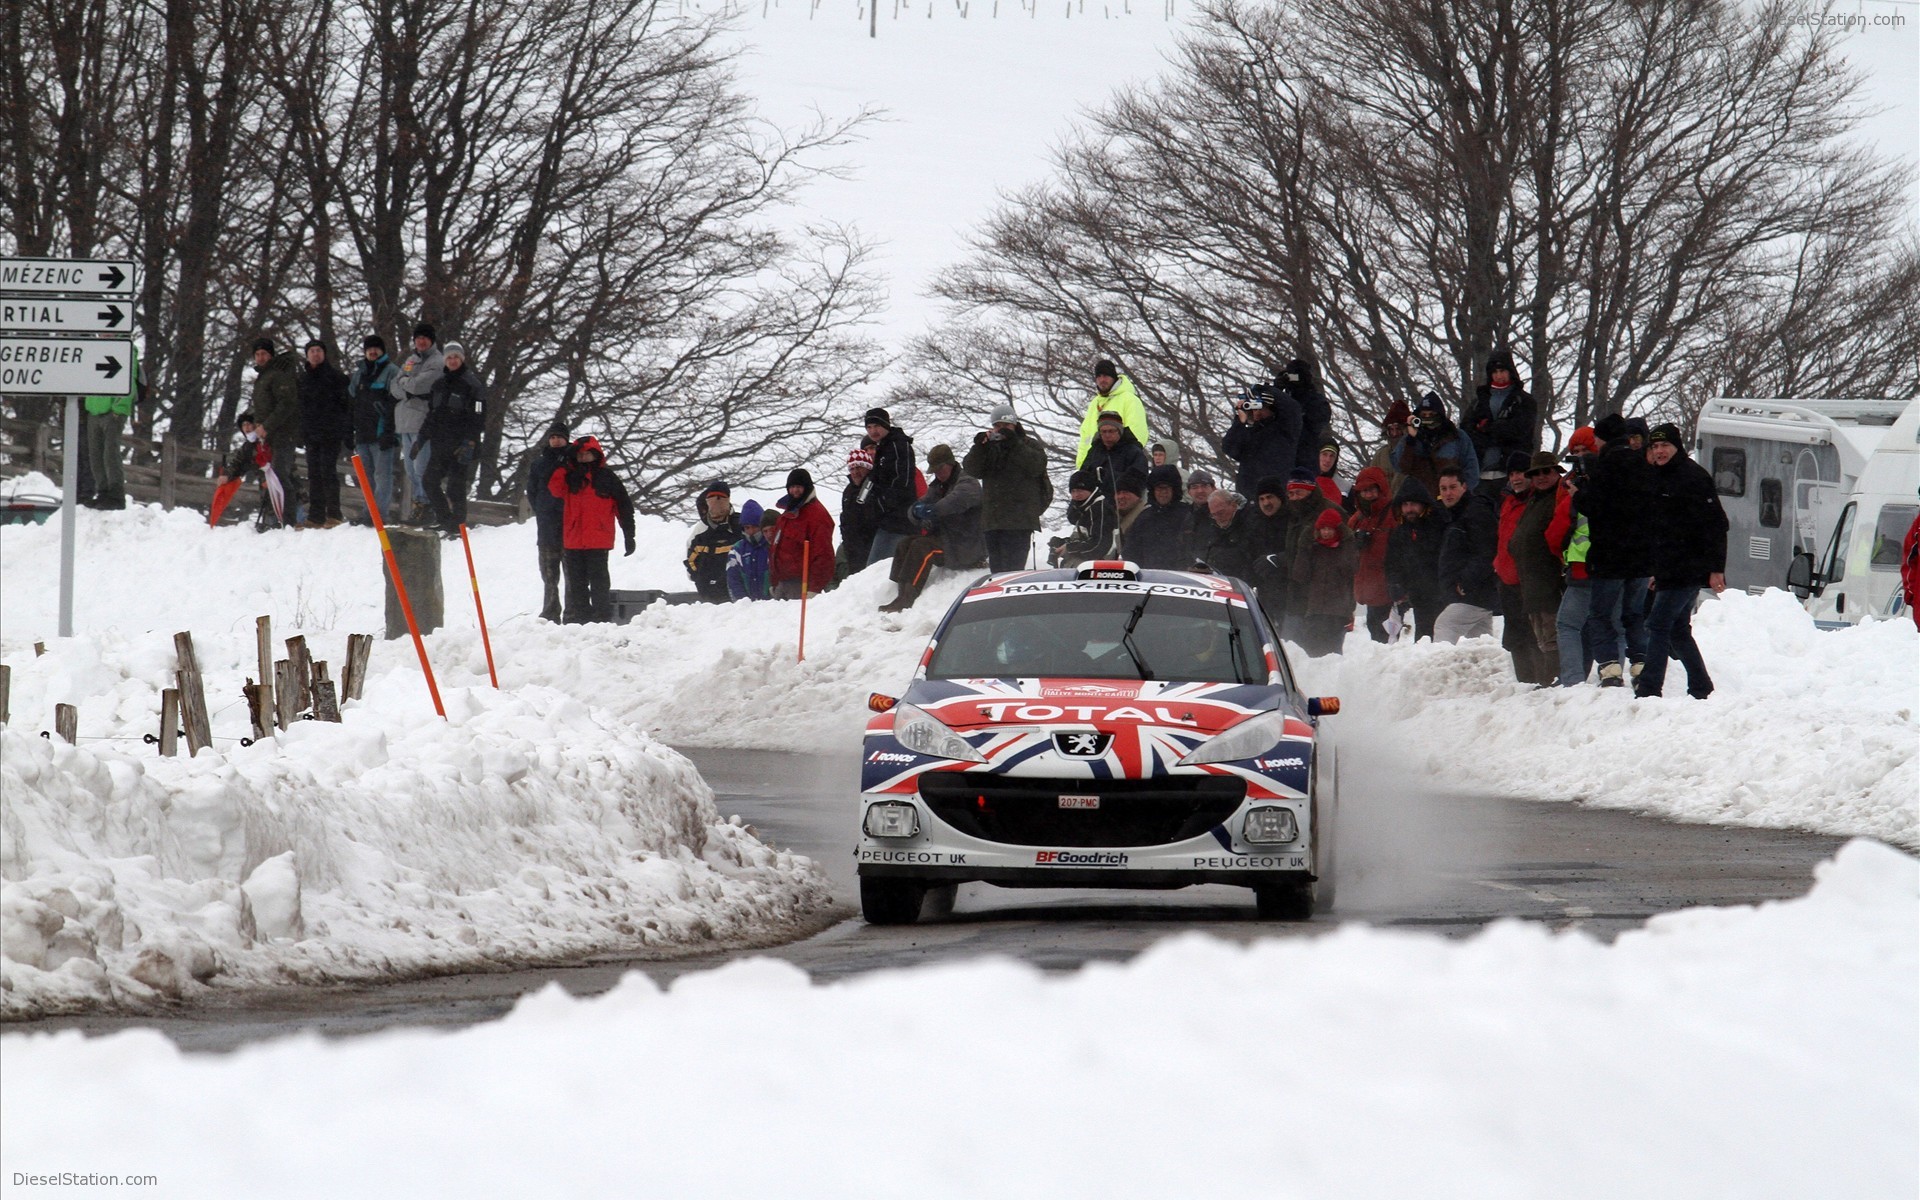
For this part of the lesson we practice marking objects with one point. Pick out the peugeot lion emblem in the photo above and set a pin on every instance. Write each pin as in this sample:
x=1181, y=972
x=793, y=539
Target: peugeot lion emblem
x=1082, y=745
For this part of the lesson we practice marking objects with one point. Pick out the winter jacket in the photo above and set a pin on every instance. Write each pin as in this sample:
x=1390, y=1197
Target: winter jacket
x=1496, y=435
x=1511, y=506
x=276, y=399
x=1568, y=536
x=1229, y=551
x=1413, y=551
x=411, y=386
x=1302, y=515
x=248, y=456
x=549, y=510
x=1264, y=448
x=1093, y=536
x=894, y=491
x=121, y=404
x=1689, y=525
x=1268, y=541
x=371, y=404
x=1012, y=469
x=595, y=499
x=1372, y=527
x=749, y=568
x=456, y=410
x=1157, y=539
x=325, y=417
x=1323, y=575
x=859, y=521
x=956, y=506
x=804, y=536
x=1617, y=500
x=1424, y=453
x=1316, y=415
x=1126, y=454
x=1121, y=399
x=1466, y=553
x=706, y=557
x=1535, y=557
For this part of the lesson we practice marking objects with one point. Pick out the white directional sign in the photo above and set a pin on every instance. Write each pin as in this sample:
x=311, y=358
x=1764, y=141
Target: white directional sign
x=52, y=366
x=19, y=314
x=67, y=276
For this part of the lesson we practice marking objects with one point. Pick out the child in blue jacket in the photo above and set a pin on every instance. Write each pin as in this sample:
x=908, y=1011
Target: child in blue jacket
x=748, y=561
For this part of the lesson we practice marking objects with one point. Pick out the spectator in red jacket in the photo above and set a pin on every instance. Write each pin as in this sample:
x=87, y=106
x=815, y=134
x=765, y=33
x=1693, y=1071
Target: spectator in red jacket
x=1910, y=570
x=1515, y=634
x=1372, y=521
x=594, y=499
x=804, y=537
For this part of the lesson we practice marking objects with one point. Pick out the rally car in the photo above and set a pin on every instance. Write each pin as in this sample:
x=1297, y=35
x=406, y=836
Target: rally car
x=1105, y=727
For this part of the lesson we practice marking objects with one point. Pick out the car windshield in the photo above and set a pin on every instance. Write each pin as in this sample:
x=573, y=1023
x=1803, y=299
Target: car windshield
x=1081, y=635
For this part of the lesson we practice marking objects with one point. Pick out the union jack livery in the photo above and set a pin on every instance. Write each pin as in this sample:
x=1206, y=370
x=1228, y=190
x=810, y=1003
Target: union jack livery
x=1098, y=727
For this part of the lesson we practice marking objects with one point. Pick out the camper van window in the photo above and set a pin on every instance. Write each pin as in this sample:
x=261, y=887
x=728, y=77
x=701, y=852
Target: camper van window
x=1888, y=535
x=1770, y=503
x=1730, y=471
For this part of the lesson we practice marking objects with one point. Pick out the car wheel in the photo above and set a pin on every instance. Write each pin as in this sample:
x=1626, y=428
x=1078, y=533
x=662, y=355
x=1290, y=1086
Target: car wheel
x=891, y=901
x=1284, y=901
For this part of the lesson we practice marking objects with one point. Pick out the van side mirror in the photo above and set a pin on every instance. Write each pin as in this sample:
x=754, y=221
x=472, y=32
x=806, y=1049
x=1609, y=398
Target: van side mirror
x=1801, y=580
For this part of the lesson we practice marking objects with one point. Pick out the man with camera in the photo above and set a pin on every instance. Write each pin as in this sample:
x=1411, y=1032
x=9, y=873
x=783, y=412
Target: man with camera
x=1264, y=438
x=1295, y=381
x=1011, y=465
x=1435, y=444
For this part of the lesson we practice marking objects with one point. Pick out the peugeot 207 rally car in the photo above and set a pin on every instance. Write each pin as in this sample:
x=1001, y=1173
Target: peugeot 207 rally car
x=1099, y=727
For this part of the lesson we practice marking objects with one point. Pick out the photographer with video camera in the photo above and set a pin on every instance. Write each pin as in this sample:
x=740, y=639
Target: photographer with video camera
x=1265, y=436
x=1295, y=382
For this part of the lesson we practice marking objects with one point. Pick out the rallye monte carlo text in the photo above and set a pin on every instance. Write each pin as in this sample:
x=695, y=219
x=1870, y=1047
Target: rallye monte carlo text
x=1099, y=727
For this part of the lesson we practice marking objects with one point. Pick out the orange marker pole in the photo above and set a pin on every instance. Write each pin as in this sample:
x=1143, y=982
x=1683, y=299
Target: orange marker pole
x=479, y=611
x=399, y=584
x=806, y=555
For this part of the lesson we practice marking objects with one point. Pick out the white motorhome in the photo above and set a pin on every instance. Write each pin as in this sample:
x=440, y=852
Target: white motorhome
x=1824, y=487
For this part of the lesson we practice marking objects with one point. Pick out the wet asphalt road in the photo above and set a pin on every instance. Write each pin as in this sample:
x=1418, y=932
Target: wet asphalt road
x=1412, y=855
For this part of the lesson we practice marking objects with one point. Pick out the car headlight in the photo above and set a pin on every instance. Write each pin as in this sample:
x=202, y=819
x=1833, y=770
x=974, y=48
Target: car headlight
x=891, y=819
x=923, y=733
x=1245, y=740
x=1270, y=826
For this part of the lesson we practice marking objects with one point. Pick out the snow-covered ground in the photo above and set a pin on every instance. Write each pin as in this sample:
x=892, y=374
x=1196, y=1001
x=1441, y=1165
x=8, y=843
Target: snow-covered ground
x=1745, y=1054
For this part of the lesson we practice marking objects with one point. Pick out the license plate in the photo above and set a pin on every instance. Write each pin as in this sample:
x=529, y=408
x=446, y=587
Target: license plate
x=1079, y=802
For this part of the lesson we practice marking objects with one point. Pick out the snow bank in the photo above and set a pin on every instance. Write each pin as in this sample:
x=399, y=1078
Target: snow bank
x=527, y=827
x=1751, y=1052
x=1806, y=728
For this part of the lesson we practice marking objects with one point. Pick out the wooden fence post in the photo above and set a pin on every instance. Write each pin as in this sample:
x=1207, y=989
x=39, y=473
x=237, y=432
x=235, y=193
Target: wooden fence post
x=326, y=703
x=283, y=694
x=39, y=648
x=193, y=695
x=170, y=722
x=6, y=693
x=302, y=673
x=263, y=648
x=259, y=707
x=353, y=676
x=169, y=472
x=66, y=723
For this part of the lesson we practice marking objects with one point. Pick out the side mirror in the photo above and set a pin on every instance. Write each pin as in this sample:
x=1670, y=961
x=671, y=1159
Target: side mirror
x=880, y=703
x=1322, y=706
x=1801, y=580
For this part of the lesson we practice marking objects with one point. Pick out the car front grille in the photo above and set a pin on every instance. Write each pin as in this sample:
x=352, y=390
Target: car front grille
x=1131, y=812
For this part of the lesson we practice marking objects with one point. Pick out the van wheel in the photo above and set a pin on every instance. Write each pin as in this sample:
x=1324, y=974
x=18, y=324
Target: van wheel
x=891, y=901
x=1284, y=901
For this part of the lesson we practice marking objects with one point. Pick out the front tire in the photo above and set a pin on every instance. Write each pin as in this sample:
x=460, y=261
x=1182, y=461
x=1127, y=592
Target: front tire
x=1284, y=901
x=891, y=901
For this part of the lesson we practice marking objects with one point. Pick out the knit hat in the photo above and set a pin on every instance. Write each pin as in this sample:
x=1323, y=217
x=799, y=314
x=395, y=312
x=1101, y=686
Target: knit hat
x=1331, y=518
x=1583, y=441
x=1636, y=425
x=941, y=456
x=772, y=515
x=1543, y=460
x=1412, y=491
x=312, y=342
x=877, y=416
x=1163, y=476
x=1610, y=428
x=1134, y=481
x=1302, y=477
x=799, y=477
x=1083, y=480
x=1517, y=461
x=1272, y=485
x=454, y=349
x=1398, y=413
x=859, y=456
x=559, y=429
x=1003, y=415
x=1499, y=359
x=1105, y=367
x=265, y=343
x=1666, y=431
x=1333, y=446
x=373, y=341
x=425, y=330
x=750, y=514
x=1202, y=476
x=1431, y=402
x=1108, y=414
x=716, y=487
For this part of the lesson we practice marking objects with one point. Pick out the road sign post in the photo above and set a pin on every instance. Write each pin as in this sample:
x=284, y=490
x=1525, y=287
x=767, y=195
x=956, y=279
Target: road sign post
x=69, y=502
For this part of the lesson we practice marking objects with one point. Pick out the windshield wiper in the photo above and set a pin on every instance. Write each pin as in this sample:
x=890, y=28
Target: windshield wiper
x=1126, y=637
x=1233, y=648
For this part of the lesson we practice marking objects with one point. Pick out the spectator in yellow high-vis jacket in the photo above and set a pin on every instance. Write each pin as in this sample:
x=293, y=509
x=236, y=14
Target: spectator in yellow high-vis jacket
x=1113, y=392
